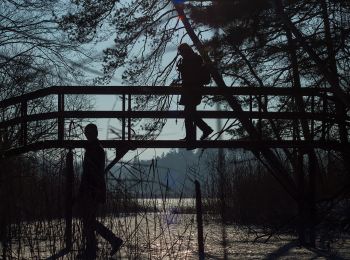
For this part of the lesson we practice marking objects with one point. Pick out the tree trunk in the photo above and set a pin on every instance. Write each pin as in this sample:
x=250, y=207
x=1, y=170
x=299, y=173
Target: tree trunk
x=276, y=167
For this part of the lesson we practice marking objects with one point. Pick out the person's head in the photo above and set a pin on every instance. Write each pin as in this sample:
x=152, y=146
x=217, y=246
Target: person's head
x=91, y=132
x=185, y=50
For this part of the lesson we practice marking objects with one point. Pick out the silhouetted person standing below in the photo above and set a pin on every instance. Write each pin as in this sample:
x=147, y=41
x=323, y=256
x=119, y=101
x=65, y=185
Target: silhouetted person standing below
x=190, y=69
x=92, y=192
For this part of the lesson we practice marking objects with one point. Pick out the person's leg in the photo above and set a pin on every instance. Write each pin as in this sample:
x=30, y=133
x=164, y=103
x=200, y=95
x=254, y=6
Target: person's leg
x=91, y=243
x=189, y=125
x=203, y=126
x=88, y=219
x=108, y=235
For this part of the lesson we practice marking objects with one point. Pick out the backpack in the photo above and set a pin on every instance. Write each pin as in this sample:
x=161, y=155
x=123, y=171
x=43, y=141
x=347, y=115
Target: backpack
x=204, y=74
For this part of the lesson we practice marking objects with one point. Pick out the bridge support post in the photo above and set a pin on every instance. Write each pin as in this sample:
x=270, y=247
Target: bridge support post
x=69, y=198
x=306, y=200
x=301, y=197
x=120, y=152
x=311, y=200
x=199, y=220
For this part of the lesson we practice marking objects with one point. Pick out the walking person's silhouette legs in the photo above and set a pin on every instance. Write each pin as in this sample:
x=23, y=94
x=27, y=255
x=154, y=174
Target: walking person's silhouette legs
x=90, y=225
x=190, y=126
x=191, y=121
x=88, y=215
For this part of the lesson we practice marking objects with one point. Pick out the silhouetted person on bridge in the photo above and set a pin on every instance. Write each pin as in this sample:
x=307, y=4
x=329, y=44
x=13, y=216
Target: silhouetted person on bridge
x=190, y=69
x=92, y=192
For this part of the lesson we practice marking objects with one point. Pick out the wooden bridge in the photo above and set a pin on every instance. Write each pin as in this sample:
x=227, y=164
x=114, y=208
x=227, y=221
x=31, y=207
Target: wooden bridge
x=62, y=116
x=310, y=125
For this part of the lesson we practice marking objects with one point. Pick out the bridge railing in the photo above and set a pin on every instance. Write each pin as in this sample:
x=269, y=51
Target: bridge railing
x=159, y=90
x=126, y=113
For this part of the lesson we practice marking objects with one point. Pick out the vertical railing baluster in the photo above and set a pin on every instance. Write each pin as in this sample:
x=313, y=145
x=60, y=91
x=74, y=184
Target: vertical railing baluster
x=312, y=120
x=129, y=118
x=295, y=121
x=123, y=119
x=60, y=117
x=324, y=124
x=24, y=128
x=259, y=119
x=251, y=106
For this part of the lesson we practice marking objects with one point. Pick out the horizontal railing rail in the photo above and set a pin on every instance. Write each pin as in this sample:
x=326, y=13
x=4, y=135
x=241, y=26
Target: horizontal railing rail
x=159, y=90
x=125, y=114
x=169, y=114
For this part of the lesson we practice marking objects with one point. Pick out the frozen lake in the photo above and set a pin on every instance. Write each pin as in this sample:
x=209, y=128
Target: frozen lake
x=165, y=235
